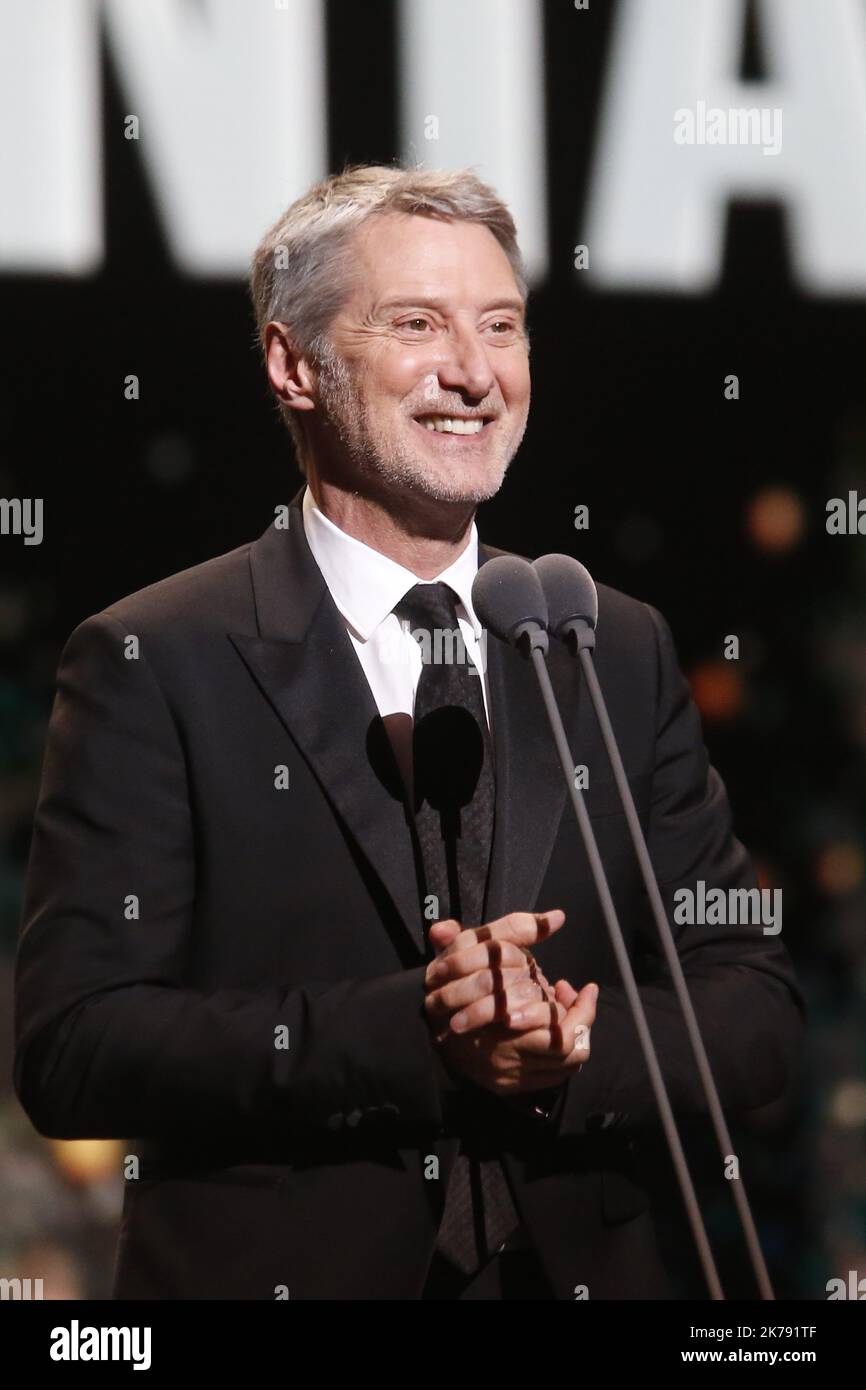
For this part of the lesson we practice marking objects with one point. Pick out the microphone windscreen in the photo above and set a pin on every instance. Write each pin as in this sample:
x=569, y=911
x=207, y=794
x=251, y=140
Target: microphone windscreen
x=568, y=589
x=506, y=593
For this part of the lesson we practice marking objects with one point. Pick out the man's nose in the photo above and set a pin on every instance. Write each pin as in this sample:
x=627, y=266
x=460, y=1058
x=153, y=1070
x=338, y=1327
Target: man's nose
x=467, y=366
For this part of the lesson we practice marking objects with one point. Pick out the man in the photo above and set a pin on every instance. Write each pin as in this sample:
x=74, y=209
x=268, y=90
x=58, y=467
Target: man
x=298, y=884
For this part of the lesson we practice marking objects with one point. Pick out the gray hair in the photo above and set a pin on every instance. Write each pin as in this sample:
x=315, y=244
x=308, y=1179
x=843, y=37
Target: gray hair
x=302, y=271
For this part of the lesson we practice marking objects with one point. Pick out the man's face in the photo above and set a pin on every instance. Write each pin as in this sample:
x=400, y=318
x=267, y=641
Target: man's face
x=430, y=341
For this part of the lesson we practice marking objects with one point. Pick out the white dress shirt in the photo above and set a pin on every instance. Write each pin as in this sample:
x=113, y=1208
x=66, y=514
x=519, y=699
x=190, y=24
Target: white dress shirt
x=365, y=585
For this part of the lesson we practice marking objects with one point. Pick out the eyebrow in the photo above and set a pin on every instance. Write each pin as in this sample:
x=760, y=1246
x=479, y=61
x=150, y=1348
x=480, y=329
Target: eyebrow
x=431, y=302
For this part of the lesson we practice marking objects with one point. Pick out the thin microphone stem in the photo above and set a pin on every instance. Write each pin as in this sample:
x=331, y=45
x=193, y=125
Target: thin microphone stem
x=667, y=1116
x=719, y=1124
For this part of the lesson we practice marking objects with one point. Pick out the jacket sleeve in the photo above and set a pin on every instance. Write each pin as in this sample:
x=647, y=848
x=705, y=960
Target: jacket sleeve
x=741, y=981
x=110, y=1040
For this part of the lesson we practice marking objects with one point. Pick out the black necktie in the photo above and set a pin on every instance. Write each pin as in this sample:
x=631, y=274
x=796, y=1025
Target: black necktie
x=453, y=808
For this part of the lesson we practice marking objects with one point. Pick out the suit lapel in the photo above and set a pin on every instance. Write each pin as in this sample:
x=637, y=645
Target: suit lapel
x=305, y=665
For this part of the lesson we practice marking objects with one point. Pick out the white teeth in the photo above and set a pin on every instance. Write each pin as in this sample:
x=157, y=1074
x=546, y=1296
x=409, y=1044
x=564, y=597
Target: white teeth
x=450, y=424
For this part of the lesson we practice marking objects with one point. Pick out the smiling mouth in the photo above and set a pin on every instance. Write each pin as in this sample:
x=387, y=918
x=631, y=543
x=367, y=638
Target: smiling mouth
x=463, y=426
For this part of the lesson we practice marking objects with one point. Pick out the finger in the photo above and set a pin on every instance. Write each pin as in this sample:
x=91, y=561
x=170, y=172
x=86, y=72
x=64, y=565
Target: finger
x=499, y=1007
x=543, y=1011
x=565, y=994
x=559, y=1040
x=573, y=1032
x=543, y=1056
x=523, y=928
x=536, y=1013
x=459, y=993
x=489, y=955
x=443, y=933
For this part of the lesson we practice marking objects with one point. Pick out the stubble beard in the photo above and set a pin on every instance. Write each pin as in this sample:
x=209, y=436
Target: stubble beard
x=379, y=457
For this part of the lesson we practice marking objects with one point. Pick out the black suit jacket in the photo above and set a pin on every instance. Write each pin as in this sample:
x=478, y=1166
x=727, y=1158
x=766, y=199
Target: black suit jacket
x=183, y=909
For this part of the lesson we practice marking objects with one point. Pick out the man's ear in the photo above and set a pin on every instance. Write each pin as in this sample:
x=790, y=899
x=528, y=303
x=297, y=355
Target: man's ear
x=289, y=372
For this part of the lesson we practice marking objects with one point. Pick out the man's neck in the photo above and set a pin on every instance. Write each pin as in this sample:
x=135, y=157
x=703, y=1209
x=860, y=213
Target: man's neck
x=425, y=537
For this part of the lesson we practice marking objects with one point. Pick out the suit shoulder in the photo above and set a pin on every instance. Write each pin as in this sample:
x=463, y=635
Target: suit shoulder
x=631, y=616
x=628, y=620
x=627, y=639
x=215, y=593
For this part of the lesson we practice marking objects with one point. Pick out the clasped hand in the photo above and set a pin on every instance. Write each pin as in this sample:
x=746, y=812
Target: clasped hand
x=492, y=1012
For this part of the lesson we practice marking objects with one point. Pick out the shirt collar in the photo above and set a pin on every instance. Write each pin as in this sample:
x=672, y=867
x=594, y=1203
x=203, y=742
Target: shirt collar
x=365, y=584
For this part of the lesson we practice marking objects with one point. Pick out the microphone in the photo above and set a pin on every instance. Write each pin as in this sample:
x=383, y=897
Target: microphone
x=509, y=599
x=572, y=601
x=513, y=604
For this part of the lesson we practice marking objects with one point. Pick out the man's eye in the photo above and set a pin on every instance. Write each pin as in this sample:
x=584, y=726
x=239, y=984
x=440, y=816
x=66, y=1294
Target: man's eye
x=504, y=325
x=409, y=323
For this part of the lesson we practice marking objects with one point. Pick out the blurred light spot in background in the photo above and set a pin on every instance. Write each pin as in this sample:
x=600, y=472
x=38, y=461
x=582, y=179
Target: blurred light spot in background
x=168, y=459
x=57, y=1267
x=776, y=519
x=763, y=873
x=848, y=1104
x=14, y=615
x=87, y=1160
x=717, y=688
x=839, y=868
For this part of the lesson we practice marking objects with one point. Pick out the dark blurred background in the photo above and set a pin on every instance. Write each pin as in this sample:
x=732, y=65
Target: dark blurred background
x=712, y=509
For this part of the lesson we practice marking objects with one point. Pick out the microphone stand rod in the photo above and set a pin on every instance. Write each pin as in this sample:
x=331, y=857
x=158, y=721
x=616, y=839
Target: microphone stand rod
x=726, y=1146
x=527, y=640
